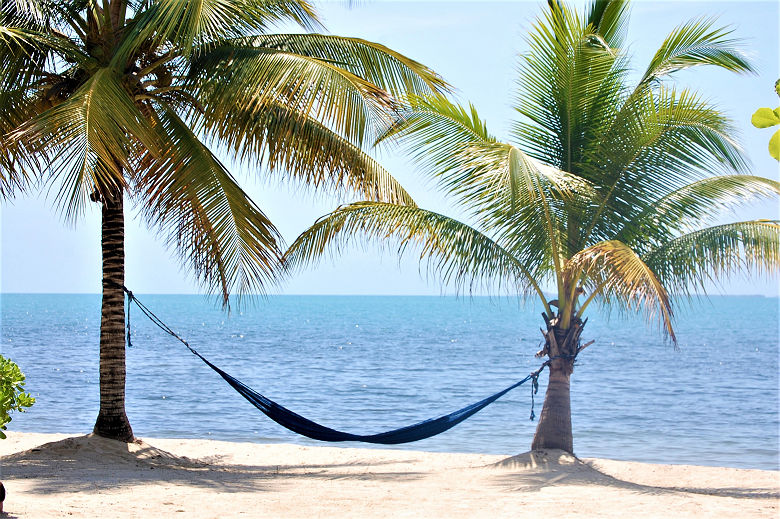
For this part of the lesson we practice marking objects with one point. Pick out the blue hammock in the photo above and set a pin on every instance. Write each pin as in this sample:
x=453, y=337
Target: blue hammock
x=305, y=427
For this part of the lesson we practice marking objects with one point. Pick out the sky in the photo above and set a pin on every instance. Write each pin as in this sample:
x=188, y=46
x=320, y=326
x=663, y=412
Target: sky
x=474, y=46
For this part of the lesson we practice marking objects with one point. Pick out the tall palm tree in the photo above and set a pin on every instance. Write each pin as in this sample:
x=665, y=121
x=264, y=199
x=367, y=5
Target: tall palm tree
x=609, y=189
x=104, y=100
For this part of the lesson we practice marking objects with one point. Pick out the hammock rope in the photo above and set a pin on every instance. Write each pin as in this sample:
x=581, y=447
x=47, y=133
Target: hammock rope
x=303, y=426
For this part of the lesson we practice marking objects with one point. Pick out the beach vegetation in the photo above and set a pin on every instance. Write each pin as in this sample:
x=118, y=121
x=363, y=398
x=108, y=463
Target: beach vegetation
x=117, y=103
x=610, y=188
x=12, y=395
x=766, y=118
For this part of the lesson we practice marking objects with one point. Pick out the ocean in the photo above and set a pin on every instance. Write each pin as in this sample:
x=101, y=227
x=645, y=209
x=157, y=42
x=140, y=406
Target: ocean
x=366, y=364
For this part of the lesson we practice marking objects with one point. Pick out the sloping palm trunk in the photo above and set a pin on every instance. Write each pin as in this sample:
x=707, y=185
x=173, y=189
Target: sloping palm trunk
x=112, y=420
x=554, y=428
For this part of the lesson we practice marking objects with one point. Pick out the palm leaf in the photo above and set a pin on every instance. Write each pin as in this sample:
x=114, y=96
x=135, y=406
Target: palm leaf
x=613, y=272
x=26, y=49
x=695, y=205
x=609, y=18
x=89, y=138
x=197, y=24
x=491, y=174
x=217, y=230
x=34, y=29
x=692, y=261
x=434, y=131
x=285, y=142
x=451, y=143
x=658, y=143
x=458, y=253
x=253, y=78
x=569, y=80
x=693, y=44
x=28, y=13
x=17, y=164
x=380, y=65
x=517, y=199
x=507, y=192
x=21, y=40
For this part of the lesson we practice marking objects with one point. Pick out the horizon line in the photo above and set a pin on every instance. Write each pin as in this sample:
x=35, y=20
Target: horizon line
x=258, y=295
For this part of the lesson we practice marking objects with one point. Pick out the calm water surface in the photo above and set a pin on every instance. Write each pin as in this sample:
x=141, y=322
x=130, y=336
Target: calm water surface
x=367, y=364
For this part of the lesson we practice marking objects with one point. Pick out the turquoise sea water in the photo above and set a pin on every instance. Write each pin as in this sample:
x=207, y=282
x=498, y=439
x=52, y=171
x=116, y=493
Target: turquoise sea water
x=367, y=364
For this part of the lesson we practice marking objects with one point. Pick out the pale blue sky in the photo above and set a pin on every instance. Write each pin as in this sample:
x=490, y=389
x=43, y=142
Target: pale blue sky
x=474, y=46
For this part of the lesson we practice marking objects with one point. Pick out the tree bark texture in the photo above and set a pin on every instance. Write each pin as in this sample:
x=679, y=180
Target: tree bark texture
x=554, y=429
x=112, y=420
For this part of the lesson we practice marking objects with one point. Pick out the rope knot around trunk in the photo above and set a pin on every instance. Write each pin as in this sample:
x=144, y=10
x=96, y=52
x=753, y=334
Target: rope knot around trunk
x=562, y=345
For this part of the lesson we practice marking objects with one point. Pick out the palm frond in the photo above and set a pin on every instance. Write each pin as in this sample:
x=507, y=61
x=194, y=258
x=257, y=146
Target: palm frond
x=509, y=194
x=434, y=130
x=569, y=81
x=284, y=141
x=459, y=254
x=88, y=138
x=23, y=40
x=694, y=260
x=496, y=173
x=21, y=60
x=380, y=65
x=696, y=204
x=196, y=24
x=254, y=78
x=612, y=271
x=30, y=13
x=452, y=144
x=697, y=43
x=609, y=18
x=217, y=230
x=26, y=50
x=517, y=199
x=17, y=164
x=658, y=143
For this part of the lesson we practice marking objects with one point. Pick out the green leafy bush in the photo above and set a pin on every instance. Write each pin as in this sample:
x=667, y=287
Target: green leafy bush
x=12, y=397
x=766, y=118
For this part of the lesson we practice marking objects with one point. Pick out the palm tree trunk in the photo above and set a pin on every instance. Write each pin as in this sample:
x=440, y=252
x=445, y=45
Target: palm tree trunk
x=112, y=420
x=554, y=429
x=561, y=346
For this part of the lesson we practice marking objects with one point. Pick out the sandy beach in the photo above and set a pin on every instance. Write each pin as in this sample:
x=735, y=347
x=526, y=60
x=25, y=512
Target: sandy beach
x=53, y=475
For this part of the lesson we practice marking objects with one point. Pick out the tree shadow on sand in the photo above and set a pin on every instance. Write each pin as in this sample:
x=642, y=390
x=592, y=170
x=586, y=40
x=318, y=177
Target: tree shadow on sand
x=92, y=463
x=89, y=463
x=533, y=471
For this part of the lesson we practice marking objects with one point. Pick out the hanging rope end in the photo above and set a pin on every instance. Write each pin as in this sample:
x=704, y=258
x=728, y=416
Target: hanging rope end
x=129, y=304
x=535, y=387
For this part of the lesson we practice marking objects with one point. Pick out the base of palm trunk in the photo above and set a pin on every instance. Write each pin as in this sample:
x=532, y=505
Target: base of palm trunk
x=554, y=429
x=114, y=427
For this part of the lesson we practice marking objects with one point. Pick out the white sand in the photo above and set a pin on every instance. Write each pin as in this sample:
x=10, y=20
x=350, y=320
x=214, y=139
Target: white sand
x=51, y=475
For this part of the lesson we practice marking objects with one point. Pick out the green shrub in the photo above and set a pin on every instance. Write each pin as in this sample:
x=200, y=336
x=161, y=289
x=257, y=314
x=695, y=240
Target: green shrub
x=766, y=118
x=12, y=397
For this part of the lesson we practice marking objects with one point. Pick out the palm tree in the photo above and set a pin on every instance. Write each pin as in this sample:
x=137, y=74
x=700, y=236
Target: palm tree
x=104, y=100
x=609, y=189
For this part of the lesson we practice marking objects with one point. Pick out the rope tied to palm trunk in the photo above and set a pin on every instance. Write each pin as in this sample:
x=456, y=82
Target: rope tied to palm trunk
x=296, y=423
x=129, y=299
